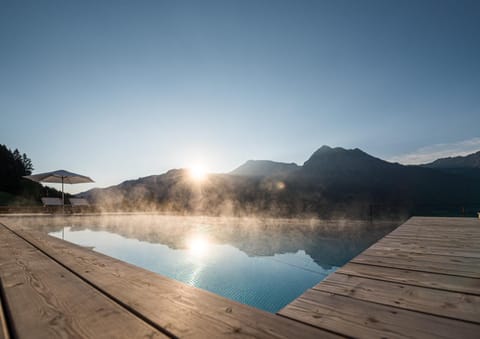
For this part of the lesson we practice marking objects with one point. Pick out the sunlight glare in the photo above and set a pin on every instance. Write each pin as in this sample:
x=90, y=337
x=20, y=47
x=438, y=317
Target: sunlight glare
x=198, y=173
x=198, y=246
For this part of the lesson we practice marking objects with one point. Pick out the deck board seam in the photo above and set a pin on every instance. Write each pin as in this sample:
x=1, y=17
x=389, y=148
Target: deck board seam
x=314, y=326
x=399, y=251
x=407, y=283
x=397, y=307
x=102, y=291
x=410, y=269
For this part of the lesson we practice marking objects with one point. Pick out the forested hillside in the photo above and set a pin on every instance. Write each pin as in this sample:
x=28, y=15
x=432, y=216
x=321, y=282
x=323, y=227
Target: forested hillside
x=14, y=189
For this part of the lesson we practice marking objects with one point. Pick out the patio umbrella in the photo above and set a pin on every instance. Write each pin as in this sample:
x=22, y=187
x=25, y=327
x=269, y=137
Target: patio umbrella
x=60, y=176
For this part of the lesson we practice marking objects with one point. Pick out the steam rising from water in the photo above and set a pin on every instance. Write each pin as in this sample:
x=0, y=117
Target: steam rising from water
x=176, y=192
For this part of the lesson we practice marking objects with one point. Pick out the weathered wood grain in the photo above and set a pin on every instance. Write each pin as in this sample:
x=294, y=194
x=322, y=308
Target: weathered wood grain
x=418, y=247
x=362, y=319
x=423, y=266
x=462, y=263
x=459, y=224
x=420, y=281
x=442, y=303
x=47, y=301
x=433, y=232
x=444, y=244
x=449, y=223
x=445, y=241
x=183, y=310
x=415, y=278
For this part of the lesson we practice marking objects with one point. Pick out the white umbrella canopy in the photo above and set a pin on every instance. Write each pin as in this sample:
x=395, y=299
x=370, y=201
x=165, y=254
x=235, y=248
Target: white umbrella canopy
x=60, y=176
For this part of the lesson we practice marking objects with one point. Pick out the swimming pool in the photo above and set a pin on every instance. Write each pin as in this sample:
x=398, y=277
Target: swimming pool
x=265, y=263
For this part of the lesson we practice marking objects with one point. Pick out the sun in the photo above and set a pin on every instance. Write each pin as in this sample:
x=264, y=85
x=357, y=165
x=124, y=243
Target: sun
x=198, y=173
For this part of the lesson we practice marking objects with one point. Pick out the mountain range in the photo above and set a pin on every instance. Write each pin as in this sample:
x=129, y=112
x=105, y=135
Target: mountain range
x=332, y=183
x=468, y=161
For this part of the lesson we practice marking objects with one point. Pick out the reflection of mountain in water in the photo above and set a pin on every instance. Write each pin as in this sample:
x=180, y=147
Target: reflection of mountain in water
x=328, y=243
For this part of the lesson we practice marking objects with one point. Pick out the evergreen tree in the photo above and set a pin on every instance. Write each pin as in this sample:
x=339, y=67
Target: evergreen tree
x=18, y=164
x=27, y=164
x=13, y=166
x=8, y=177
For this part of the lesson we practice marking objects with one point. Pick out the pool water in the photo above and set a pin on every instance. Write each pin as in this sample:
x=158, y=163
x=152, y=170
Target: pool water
x=262, y=263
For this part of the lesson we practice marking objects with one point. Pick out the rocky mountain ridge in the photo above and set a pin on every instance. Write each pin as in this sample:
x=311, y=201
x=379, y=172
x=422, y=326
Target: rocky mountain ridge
x=333, y=182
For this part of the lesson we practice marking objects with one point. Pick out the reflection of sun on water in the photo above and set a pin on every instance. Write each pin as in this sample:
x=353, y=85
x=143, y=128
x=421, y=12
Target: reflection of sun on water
x=198, y=246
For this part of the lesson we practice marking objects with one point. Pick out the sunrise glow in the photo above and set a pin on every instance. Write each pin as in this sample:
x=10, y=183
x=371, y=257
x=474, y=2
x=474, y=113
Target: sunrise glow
x=198, y=173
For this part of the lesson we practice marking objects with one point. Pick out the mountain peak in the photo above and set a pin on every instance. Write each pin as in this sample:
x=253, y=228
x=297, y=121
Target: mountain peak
x=261, y=168
x=325, y=149
x=339, y=158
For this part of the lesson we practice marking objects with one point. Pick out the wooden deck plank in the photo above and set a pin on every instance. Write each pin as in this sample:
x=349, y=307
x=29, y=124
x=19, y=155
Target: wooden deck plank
x=432, y=232
x=442, y=303
x=444, y=240
x=361, y=319
x=450, y=222
x=445, y=261
x=441, y=238
x=47, y=301
x=444, y=244
x=467, y=224
x=415, y=278
x=434, y=235
x=421, y=248
x=423, y=266
x=181, y=309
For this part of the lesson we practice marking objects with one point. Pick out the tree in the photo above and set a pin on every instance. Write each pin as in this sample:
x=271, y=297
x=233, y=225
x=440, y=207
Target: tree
x=27, y=164
x=13, y=165
x=16, y=155
x=18, y=165
x=13, y=188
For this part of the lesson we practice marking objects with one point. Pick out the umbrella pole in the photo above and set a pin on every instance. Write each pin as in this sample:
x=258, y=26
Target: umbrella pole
x=63, y=199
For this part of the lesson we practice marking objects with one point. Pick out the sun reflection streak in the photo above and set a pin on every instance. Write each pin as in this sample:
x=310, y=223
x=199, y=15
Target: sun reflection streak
x=198, y=247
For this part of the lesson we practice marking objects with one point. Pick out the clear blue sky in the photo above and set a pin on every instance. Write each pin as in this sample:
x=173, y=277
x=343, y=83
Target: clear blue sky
x=122, y=89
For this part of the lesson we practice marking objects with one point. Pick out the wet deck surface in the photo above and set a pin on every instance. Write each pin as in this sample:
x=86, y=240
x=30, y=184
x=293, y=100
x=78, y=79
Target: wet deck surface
x=420, y=281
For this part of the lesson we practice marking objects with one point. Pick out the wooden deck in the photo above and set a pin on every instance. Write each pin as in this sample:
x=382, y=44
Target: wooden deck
x=420, y=281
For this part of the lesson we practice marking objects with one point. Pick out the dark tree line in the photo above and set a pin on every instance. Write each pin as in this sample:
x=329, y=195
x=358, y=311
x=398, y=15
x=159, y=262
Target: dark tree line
x=14, y=189
x=13, y=165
